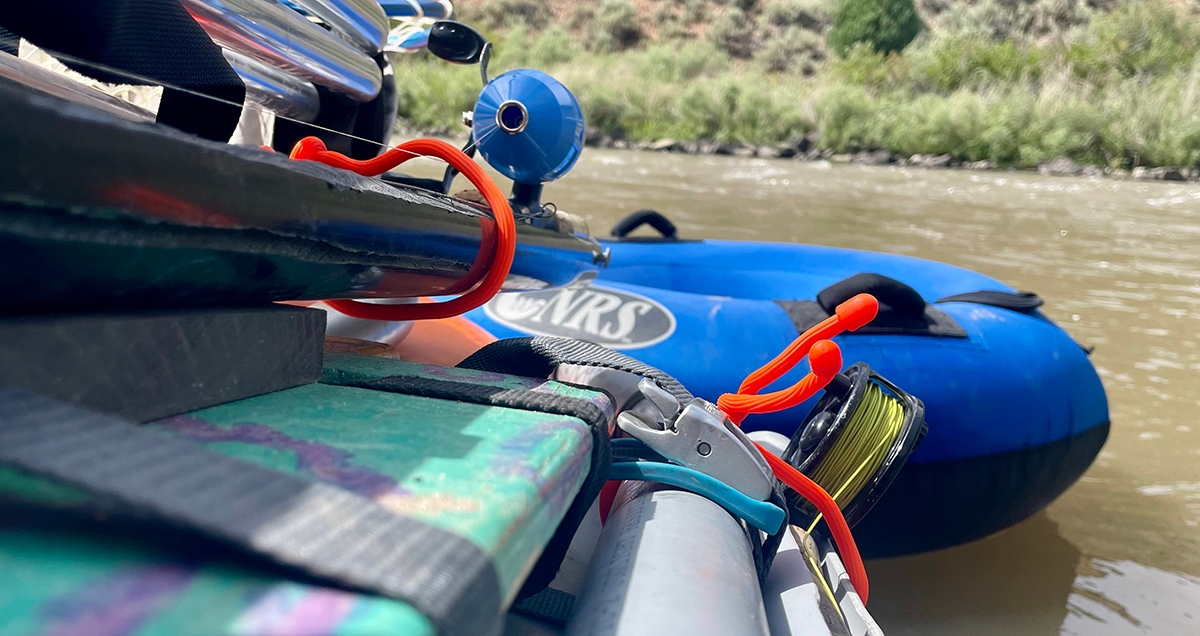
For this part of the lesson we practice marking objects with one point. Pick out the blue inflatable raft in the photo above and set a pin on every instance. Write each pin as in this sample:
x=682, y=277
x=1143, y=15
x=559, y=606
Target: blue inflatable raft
x=1015, y=410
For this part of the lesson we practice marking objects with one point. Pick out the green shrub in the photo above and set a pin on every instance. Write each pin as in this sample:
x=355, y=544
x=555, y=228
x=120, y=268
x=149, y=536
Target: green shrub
x=794, y=49
x=809, y=14
x=503, y=13
x=553, y=47
x=948, y=63
x=864, y=66
x=1136, y=38
x=616, y=26
x=581, y=17
x=668, y=22
x=733, y=33
x=694, y=11
x=1123, y=90
x=884, y=25
x=1025, y=20
x=844, y=116
x=433, y=94
x=681, y=62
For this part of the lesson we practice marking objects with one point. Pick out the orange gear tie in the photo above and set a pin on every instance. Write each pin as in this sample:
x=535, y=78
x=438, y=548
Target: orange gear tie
x=851, y=315
x=313, y=149
x=838, y=527
x=825, y=358
x=825, y=361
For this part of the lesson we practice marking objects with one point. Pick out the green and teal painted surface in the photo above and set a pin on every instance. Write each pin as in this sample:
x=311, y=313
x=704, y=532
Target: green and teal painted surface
x=72, y=584
x=500, y=477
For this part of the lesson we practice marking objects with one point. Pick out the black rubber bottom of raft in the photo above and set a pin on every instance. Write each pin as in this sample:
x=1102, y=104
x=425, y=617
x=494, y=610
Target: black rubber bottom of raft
x=943, y=504
x=145, y=366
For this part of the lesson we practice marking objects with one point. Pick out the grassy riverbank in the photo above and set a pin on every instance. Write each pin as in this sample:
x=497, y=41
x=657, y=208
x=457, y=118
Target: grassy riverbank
x=1016, y=82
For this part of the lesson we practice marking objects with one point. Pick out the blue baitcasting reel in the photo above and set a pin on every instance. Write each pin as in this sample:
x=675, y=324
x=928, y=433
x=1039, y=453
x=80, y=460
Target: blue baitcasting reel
x=530, y=127
x=526, y=124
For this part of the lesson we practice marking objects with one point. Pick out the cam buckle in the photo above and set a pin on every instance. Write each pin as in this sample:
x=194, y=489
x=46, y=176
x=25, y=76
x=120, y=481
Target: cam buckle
x=699, y=436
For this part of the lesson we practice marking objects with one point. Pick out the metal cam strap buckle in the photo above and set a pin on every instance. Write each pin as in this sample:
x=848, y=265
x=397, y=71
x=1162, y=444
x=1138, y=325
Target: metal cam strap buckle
x=700, y=437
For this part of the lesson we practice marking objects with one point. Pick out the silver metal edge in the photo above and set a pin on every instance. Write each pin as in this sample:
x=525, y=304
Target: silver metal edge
x=669, y=562
x=433, y=9
x=278, y=91
x=280, y=37
x=47, y=81
x=359, y=22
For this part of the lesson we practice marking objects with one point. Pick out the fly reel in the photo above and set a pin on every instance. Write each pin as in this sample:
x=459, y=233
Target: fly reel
x=854, y=442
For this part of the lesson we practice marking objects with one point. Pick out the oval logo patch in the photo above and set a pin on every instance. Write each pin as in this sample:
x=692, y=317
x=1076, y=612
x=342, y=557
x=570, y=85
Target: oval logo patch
x=610, y=317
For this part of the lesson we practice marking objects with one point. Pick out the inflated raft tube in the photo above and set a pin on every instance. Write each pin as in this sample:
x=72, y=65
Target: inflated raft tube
x=1015, y=410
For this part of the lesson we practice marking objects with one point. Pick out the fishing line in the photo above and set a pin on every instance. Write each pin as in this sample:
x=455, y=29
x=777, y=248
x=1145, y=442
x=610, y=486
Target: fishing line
x=155, y=82
x=474, y=141
x=814, y=568
x=861, y=449
x=855, y=441
x=858, y=453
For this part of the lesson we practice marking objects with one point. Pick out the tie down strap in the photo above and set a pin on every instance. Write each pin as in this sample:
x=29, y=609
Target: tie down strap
x=323, y=531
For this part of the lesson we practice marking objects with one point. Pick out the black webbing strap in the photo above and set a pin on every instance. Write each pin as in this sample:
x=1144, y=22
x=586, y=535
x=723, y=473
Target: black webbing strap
x=324, y=531
x=537, y=357
x=597, y=420
x=550, y=606
x=765, y=556
x=156, y=39
x=9, y=42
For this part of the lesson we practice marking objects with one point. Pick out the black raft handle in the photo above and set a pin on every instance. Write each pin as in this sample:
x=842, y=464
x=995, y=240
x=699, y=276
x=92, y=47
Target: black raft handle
x=662, y=224
x=894, y=296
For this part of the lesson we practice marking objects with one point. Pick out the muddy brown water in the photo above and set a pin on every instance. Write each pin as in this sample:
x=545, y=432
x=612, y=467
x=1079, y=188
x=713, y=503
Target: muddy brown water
x=1118, y=263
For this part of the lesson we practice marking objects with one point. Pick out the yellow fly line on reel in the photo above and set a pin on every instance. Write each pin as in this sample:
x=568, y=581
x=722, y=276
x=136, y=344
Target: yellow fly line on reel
x=855, y=441
x=862, y=447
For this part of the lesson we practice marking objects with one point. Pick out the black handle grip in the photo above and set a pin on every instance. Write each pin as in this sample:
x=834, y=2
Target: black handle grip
x=662, y=224
x=899, y=298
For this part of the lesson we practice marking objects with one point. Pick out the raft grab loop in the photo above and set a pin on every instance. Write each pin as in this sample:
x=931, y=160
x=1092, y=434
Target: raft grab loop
x=902, y=310
x=661, y=224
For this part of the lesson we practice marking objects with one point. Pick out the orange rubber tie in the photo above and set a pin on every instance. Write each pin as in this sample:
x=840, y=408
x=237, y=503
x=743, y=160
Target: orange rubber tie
x=838, y=527
x=825, y=361
x=851, y=315
x=825, y=358
x=313, y=149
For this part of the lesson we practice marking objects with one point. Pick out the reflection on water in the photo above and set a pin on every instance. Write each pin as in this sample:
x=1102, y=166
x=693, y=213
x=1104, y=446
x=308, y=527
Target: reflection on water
x=1017, y=582
x=1029, y=580
x=1119, y=266
x=1117, y=597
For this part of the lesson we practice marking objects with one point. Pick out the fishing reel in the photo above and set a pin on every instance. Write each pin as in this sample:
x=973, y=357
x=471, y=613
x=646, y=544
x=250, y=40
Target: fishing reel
x=854, y=442
x=525, y=124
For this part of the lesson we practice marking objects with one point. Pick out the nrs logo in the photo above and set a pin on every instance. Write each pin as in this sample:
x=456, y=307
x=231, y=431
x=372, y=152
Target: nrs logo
x=616, y=319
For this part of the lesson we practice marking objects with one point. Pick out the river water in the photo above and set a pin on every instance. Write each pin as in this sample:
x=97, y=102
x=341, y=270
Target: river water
x=1118, y=263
